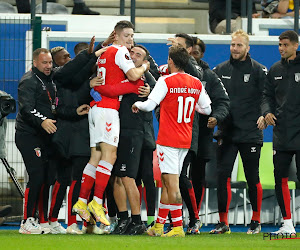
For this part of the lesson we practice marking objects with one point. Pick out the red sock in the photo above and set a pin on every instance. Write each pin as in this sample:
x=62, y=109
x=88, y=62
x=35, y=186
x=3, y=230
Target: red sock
x=176, y=214
x=103, y=173
x=224, y=218
x=193, y=201
x=71, y=217
x=87, y=181
x=286, y=198
x=200, y=202
x=25, y=203
x=53, y=200
x=162, y=213
x=259, y=192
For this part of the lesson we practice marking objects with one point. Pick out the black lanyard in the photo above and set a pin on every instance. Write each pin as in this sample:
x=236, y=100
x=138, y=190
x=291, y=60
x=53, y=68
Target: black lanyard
x=54, y=102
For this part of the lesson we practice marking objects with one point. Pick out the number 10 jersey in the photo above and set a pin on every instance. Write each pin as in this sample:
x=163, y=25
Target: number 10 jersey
x=177, y=95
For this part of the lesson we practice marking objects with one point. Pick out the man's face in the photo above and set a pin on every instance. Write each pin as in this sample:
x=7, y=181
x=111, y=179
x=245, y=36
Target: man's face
x=239, y=48
x=125, y=38
x=181, y=41
x=43, y=63
x=197, y=52
x=62, y=57
x=287, y=49
x=137, y=55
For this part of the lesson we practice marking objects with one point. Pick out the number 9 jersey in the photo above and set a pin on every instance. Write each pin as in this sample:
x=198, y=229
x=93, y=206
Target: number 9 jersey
x=178, y=94
x=112, y=66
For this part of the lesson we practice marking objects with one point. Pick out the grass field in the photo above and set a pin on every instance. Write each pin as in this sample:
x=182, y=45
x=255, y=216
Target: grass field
x=11, y=239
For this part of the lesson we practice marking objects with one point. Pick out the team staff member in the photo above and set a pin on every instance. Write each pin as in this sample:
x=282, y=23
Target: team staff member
x=244, y=80
x=130, y=152
x=178, y=94
x=35, y=123
x=192, y=177
x=281, y=100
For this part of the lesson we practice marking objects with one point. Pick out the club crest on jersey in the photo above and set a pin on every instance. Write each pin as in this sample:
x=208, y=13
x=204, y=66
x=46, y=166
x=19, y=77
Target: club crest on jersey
x=102, y=61
x=127, y=57
x=246, y=77
x=38, y=152
x=297, y=77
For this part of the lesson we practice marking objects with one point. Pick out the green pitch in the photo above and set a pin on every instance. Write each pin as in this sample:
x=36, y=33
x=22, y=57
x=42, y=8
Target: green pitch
x=11, y=239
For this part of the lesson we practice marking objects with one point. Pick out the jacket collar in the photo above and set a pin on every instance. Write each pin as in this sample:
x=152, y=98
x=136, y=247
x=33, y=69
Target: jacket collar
x=41, y=74
x=295, y=61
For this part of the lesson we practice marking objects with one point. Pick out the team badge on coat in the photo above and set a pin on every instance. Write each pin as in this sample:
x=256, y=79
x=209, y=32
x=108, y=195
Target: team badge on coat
x=246, y=77
x=297, y=77
x=38, y=152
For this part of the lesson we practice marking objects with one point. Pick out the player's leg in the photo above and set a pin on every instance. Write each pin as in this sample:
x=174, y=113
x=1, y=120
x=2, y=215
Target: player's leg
x=282, y=161
x=250, y=154
x=226, y=155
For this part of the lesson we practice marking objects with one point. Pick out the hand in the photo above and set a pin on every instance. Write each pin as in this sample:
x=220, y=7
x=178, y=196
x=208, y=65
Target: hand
x=147, y=64
x=172, y=41
x=48, y=126
x=96, y=81
x=261, y=123
x=91, y=45
x=110, y=39
x=277, y=15
x=100, y=51
x=144, y=91
x=256, y=15
x=83, y=109
x=134, y=108
x=270, y=119
x=212, y=122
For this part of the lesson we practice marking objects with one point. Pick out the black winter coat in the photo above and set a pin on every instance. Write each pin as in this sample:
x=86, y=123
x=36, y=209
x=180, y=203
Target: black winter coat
x=244, y=82
x=282, y=98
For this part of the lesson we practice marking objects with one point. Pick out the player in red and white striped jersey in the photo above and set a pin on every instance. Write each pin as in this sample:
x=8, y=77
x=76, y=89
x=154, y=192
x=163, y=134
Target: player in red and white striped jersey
x=178, y=94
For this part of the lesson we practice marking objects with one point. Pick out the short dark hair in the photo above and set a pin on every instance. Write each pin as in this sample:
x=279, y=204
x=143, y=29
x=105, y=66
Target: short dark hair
x=200, y=43
x=291, y=35
x=38, y=51
x=123, y=25
x=144, y=48
x=79, y=47
x=179, y=55
x=188, y=39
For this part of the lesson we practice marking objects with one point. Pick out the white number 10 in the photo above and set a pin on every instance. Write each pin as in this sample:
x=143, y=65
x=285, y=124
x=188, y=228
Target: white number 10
x=185, y=108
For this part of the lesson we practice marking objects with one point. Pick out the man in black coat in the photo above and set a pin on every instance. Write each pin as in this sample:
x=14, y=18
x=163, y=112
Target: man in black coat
x=281, y=102
x=244, y=80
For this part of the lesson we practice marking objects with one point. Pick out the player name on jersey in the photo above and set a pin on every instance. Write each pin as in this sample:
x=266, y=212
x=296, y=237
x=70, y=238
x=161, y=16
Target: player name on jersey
x=185, y=90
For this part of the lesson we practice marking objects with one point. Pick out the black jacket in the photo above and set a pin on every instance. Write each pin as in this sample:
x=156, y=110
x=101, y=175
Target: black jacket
x=282, y=98
x=140, y=123
x=244, y=82
x=220, y=109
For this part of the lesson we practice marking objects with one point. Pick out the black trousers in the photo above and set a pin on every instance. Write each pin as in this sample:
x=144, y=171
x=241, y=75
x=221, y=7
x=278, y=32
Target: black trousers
x=35, y=153
x=145, y=173
x=226, y=155
x=282, y=162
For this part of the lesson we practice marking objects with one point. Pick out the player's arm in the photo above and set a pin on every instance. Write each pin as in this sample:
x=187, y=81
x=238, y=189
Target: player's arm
x=136, y=73
x=157, y=95
x=203, y=104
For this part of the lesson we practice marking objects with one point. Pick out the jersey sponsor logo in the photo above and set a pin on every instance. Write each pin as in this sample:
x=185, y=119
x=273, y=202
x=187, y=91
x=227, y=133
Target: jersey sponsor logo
x=226, y=77
x=253, y=150
x=297, y=77
x=38, y=152
x=123, y=167
x=161, y=156
x=278, y=78
x=246, y=77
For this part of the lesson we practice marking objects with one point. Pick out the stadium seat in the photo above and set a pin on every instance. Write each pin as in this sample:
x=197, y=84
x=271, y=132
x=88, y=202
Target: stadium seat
x=7, y=8
x=266, y=175
x=53, y=8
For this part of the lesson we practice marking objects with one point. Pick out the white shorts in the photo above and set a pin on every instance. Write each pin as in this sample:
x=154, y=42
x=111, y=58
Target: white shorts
x=170, y=160
x=104, y=126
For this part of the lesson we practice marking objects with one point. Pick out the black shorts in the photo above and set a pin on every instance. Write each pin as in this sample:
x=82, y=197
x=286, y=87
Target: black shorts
x=128, y=156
